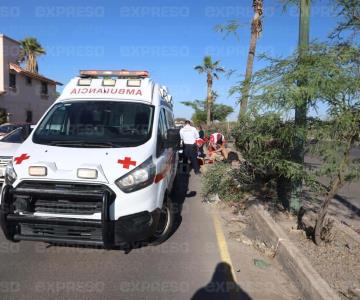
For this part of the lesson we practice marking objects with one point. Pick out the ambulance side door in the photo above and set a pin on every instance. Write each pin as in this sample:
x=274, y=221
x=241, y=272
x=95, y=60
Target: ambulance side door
x=161, y=156
x=173, y=158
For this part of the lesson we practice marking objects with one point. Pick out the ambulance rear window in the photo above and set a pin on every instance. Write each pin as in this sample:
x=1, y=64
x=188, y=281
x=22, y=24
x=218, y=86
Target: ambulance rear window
x=92, y=124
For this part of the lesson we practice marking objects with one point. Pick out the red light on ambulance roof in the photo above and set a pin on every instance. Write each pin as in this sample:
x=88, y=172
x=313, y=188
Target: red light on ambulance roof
x=118, y=73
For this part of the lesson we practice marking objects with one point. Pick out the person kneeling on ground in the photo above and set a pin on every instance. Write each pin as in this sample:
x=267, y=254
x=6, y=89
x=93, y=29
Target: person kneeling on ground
x=216, y=149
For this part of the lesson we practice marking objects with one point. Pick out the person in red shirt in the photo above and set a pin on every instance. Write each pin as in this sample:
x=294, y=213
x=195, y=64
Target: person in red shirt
x=216, y=149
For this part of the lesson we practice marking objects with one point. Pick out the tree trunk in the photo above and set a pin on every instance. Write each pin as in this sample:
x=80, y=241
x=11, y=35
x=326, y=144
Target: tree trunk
x=256, y=28
x=209, y=99
x=28, y=63
x=335, y=185
x=301, y=107
x=249, y=69
x=31, y=63
x=304, y=26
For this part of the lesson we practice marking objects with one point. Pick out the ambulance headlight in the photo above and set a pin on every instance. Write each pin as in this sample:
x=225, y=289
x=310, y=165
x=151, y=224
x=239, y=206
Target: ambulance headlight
x=10, y=174
x=139, y=178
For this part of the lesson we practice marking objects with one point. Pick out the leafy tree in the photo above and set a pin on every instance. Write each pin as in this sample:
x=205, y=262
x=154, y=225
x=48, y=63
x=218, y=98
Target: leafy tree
x=180, y=119
x=341, y=92
x=343, y=132
x=219, y=111
x=349, y=13
x=211, y=69
x=199, y=117
x=266, y=142
x=335, y=73
x=30, y=50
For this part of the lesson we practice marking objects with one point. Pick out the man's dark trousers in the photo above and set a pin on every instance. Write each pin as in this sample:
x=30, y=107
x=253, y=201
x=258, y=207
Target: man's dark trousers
x=190, y=151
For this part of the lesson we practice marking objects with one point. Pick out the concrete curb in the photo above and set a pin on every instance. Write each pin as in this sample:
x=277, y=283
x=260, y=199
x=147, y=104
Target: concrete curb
x=295, y=264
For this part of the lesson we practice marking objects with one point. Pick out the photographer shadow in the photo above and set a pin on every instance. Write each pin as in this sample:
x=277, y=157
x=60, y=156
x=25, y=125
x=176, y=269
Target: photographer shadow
x=222, y=286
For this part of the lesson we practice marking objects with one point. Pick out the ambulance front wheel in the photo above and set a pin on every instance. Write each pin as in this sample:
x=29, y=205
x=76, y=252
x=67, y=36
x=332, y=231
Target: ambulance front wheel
x=165, y=224
x=8, y=230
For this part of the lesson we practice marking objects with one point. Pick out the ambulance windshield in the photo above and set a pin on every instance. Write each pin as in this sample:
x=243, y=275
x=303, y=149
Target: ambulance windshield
x=93, y=124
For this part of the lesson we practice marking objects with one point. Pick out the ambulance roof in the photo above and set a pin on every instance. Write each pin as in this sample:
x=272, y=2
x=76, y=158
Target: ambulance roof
x=108, y=87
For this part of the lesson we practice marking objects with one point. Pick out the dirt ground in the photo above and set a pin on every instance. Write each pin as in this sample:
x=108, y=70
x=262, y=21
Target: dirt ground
x=337, y=261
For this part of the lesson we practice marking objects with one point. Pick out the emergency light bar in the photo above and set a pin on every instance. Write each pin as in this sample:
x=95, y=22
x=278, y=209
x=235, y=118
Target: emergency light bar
x=84, y=81
x=108, y=82
x=133, y=83
x=117, y=73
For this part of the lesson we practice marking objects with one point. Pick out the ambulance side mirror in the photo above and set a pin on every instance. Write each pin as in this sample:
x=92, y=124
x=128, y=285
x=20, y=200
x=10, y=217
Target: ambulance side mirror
x=173, y=138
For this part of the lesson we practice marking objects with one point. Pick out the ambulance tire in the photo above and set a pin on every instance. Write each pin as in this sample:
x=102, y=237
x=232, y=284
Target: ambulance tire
x=166, y=222
x=9, y=231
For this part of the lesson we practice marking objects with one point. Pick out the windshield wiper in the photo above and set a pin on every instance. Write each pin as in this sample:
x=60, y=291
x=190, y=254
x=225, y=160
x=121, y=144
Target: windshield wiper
x=83, y=144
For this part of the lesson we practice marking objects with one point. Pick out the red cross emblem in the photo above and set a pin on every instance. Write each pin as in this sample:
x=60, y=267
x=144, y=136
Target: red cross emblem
x=21, y=158
x=127, y=162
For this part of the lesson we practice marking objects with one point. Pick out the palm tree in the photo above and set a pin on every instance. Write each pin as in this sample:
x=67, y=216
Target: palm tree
x=215, y=95
x=211, y=69
x=30, y=50
x=256, y=29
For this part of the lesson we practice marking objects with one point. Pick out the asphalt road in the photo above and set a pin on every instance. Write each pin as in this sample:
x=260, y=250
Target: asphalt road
x=196, y=262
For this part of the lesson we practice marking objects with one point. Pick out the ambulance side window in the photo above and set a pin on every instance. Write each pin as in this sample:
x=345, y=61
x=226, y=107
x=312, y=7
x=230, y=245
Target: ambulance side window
x=162, y=134
x=170, y=119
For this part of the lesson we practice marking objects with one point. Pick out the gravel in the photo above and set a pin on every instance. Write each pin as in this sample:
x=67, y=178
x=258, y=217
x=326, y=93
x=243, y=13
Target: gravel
x=338, y=261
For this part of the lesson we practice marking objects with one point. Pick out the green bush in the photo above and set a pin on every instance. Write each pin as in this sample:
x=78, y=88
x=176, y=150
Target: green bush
x=229, y=183
x=267, y=143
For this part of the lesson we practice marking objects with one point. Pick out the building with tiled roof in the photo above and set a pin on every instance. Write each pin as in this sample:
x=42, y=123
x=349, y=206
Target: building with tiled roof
x=24, y=95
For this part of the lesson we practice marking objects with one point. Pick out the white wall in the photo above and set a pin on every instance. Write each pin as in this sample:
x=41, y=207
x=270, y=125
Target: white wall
x=10, y=52
x=27, y=97
x=2, y=88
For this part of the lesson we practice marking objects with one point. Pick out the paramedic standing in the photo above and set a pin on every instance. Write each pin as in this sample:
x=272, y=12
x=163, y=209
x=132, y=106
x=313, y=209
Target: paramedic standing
x=189, y=134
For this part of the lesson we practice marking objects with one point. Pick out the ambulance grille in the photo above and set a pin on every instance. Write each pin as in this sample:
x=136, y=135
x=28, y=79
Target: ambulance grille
x=61, y=231
x=59, y=198
x=4, y=160
x=68, y=206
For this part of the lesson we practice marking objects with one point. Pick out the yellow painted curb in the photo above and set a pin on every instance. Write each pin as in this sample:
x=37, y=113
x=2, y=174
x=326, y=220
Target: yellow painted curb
x=222, y=244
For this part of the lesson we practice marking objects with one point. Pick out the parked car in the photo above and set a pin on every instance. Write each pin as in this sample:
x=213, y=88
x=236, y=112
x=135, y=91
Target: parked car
x=9, y=127
x=8, y=146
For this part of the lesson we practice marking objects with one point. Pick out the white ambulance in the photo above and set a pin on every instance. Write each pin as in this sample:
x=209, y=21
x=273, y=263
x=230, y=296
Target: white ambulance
x=99, y=166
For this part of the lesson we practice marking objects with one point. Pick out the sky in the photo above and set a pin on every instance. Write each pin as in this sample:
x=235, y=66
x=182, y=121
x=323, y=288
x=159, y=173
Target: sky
x=166, y=37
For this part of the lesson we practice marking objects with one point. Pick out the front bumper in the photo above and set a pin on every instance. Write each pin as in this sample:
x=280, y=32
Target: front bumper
x=20, y=219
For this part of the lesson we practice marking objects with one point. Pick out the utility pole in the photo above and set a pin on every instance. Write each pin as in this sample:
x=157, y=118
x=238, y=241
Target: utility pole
x=301, y=107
